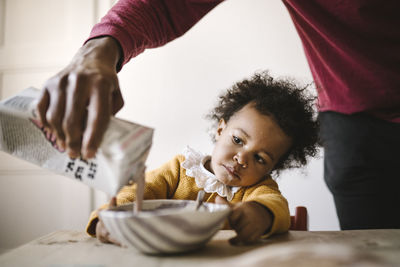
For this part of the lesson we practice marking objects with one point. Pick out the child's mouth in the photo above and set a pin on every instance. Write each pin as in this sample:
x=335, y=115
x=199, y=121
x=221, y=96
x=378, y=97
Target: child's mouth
x=231, y=171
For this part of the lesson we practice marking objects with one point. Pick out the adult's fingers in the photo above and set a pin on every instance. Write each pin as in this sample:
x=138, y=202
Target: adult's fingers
x=55, y=115
x=99, y=113
x=51, y=107
x=42, y=106
x=76, y=112
x=117, y=101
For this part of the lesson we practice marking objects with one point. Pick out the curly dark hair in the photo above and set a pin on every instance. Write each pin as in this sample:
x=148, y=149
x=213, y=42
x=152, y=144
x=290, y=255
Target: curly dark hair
x=291, y=106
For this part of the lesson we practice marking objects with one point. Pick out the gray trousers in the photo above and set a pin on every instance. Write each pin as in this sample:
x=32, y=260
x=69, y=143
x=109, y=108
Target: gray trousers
x=362, y=169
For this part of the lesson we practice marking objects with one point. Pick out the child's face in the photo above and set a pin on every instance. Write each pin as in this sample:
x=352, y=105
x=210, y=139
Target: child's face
x=247, y=147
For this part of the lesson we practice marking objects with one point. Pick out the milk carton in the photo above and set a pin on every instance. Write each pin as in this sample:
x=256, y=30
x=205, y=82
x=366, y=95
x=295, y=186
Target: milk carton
x=121, y=155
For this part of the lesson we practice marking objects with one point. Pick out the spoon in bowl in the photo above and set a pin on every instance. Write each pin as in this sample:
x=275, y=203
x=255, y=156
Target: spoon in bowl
x=200, y=198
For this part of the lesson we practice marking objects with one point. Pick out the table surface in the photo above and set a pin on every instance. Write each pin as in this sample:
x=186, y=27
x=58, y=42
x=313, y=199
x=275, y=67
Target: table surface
x=295, y=248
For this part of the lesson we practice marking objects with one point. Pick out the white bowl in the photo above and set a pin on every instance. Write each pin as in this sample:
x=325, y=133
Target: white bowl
x=164, y=225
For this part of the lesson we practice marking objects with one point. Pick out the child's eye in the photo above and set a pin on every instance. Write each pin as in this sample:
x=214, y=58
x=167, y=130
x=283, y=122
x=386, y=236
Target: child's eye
x=260, y=159
x=236, y=140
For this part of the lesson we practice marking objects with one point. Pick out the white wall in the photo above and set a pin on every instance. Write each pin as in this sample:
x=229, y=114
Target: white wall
x=173, y=87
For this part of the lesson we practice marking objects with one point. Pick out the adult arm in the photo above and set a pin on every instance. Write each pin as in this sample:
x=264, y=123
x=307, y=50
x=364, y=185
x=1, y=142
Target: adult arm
x=76, y=104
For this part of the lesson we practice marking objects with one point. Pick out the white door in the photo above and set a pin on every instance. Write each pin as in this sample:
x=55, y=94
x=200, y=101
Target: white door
x=37, y=39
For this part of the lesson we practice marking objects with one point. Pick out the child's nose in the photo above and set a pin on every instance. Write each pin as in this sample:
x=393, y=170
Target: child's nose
x=240, y=159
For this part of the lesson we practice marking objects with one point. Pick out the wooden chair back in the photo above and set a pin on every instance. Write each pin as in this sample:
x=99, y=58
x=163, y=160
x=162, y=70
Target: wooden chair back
x=299, y=222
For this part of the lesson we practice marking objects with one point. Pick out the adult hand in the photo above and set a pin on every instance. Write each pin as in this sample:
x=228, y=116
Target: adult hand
x=102, y=233
x=250, y=220
x=76, y=104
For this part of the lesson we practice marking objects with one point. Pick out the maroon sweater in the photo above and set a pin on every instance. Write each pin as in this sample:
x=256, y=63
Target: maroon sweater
x=352, y=46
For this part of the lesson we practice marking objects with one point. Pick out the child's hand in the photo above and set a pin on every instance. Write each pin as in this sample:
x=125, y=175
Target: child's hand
x=250, y=220
x=102, y=233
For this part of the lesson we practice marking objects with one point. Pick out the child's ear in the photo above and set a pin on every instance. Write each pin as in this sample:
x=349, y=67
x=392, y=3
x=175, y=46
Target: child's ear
x=221, y=127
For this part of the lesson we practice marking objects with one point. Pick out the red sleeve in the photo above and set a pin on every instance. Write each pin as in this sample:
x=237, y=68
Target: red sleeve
x=141, y=24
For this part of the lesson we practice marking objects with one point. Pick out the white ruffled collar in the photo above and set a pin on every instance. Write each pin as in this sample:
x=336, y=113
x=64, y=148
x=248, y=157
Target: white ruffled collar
x=194, y=164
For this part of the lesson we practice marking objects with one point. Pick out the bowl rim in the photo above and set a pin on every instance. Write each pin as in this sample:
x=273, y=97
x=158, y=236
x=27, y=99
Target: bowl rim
x=126, y=210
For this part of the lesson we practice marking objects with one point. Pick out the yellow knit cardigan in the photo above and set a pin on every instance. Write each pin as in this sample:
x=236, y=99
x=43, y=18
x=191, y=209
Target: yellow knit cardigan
x=171, y=182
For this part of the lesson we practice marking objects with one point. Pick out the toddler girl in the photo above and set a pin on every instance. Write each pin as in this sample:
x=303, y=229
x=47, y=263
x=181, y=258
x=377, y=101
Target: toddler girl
x=263, y=125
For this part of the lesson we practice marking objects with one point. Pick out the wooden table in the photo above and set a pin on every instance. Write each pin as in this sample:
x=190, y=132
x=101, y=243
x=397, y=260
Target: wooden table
x=331, y=248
